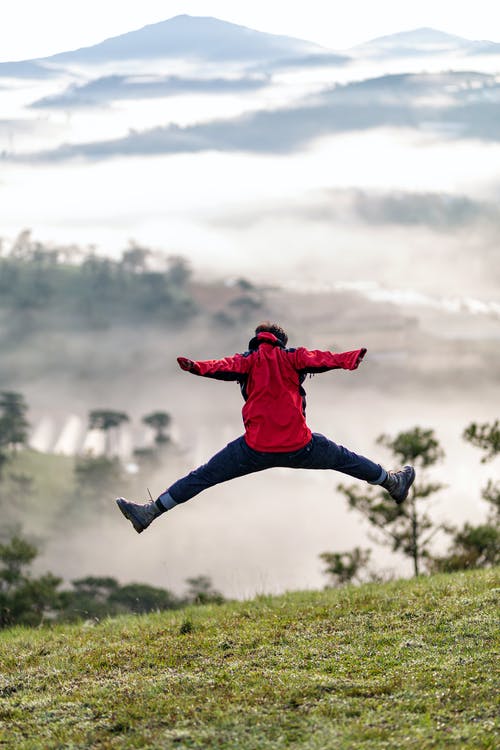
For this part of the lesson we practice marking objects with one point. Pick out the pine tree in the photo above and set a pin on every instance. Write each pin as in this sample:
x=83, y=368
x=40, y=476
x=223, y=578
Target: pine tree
x=405, y=528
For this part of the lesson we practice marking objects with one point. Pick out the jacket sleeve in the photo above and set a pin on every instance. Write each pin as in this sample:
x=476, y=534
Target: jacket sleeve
x=229, y=368
x=307, y=361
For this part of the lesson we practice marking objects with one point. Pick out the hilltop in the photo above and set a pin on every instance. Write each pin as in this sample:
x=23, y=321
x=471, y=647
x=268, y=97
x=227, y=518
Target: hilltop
x=183, y=36
x=402, y=665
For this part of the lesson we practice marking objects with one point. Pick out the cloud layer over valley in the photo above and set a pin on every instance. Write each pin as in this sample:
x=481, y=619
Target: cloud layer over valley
x=232, y=147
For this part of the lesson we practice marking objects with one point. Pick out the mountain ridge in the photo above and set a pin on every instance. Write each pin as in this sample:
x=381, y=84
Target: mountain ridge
x=211, y=38
x=422, y=41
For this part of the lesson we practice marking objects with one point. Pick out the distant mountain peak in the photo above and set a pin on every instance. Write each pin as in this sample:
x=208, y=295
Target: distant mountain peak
x=414, y=42
x=200, y=37
x=422, y=35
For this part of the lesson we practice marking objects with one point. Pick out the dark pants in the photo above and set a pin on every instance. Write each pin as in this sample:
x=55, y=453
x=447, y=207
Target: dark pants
x=238, y=459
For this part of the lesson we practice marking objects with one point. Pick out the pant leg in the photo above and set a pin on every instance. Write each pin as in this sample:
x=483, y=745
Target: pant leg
x=322, y=453
x=235, y=460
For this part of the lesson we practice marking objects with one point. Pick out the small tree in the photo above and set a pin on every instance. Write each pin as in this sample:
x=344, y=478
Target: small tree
x=487, y=437
x=491, y=493
x=478, y=546
x=107, y=420
x=141, y=597
x=22, y=246
x=404, y=527
x=13, y=423
x=99, y=597
x=15, y=556
x=159, y=421
x=89, y=598
x=135, y=258
x=13, y=433
x=3, y=460
x=24, y=599
x=345, y=567
x=201, y=591
x=98, y=588
x=471, y=547
x=178, y=271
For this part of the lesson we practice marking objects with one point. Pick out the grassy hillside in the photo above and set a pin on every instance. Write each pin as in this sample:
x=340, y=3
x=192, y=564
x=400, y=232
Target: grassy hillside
x=409, y=664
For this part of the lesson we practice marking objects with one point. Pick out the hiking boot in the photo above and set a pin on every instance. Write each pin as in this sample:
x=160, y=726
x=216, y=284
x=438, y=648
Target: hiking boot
x=398, y=483
x=141, y=516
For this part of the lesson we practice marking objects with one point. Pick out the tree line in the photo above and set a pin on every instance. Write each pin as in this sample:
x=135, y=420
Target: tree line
x=80, y=288
x=26, y=599
x=14, y=429
x=83, y=286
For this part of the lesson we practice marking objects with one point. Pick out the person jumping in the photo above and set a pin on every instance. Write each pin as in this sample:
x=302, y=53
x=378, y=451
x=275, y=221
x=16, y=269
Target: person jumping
x=276, y=433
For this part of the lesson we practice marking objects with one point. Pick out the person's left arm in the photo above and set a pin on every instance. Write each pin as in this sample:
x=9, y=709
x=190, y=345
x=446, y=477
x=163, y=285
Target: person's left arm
x=312, y=361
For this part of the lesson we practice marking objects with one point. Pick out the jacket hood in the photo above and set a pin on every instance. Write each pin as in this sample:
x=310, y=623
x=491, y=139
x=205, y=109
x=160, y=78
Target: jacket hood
x=265, y=337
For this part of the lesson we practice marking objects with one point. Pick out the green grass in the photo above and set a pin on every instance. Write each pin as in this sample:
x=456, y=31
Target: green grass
x=409, y=664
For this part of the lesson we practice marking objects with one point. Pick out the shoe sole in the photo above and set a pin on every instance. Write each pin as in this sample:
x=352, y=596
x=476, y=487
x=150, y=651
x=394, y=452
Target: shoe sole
x=411, y=480
x=130, y=515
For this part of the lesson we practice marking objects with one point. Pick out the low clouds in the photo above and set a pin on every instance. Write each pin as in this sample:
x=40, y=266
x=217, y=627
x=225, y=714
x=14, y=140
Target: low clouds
x=109, y=88
x=441, y=212
x=436, y=210
x=306, y=61
x=452, y=105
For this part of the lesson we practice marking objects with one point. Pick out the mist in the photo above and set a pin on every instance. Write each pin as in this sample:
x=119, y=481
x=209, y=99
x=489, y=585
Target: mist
x=264, y=532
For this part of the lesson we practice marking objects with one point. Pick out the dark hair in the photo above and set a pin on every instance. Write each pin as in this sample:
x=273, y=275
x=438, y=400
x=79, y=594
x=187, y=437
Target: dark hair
x=268, y=327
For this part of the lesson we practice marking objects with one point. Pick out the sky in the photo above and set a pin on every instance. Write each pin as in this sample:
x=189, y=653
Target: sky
x=36, y=28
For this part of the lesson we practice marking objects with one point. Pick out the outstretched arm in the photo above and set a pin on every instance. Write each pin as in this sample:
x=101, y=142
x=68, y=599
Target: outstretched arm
x=318, y=361
x=229, y=368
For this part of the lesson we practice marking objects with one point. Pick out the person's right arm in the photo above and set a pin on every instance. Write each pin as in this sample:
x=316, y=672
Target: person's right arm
x=229, y=368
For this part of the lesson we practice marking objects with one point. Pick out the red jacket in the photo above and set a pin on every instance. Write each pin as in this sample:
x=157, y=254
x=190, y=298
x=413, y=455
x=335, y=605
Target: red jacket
x=271, y=378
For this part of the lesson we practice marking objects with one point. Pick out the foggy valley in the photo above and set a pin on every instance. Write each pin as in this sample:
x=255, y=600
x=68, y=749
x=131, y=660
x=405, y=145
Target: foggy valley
x=425, y=366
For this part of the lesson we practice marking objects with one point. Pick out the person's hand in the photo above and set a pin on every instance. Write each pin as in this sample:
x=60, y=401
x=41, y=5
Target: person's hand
x=185, y=364
x=360, y=358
